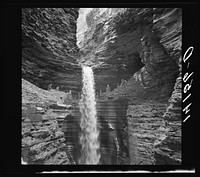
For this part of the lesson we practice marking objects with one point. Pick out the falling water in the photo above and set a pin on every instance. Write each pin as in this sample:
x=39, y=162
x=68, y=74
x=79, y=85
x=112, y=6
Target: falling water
x=89, y=136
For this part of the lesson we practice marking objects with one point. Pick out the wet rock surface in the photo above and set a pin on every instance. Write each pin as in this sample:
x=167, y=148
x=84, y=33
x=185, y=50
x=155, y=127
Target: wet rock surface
x=113, y=132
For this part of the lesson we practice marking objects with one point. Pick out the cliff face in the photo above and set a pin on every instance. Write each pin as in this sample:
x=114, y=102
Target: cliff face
x=140, y=45
x=143, y=46
x=111, y=43
x=118, y=42
x=49, y=47
x=43, y=141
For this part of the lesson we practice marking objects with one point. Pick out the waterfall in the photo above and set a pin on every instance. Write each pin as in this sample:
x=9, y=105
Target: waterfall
x=89, y=135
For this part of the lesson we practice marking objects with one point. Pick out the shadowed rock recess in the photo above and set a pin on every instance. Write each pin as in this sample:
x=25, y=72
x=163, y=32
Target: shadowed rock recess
x=136, y=51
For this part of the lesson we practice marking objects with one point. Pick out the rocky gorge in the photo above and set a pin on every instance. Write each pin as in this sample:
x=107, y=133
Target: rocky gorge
x=136, y=51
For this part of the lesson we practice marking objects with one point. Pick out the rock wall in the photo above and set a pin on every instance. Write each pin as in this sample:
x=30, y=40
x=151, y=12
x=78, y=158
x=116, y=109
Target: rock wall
x=43, y=141
x=168, y=26
x=142, y=46
x=145, y=128
x=49, y=50
x=111, y=43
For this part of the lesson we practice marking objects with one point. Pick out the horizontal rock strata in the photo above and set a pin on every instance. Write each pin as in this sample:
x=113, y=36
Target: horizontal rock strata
x=43, y=141
x=136, y=51
x=158, y=80
x=49, y=47
x=145, y=129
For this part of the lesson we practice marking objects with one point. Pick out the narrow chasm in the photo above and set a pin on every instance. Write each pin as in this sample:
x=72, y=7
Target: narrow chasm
x=101, y=86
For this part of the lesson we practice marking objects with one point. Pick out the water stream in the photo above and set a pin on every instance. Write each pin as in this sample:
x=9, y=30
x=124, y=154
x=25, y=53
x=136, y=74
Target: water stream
x=89, y=138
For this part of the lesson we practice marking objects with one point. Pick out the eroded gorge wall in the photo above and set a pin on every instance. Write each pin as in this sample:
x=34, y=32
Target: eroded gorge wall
x=142, y=46
x=49, y=50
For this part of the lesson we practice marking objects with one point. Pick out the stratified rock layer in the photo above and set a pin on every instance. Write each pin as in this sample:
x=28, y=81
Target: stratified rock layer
x=145, y=128
x=142, y=46
x=168, y=26
x=111, y=43
x=169, y=150
x=43, y=141
x=49, y=47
